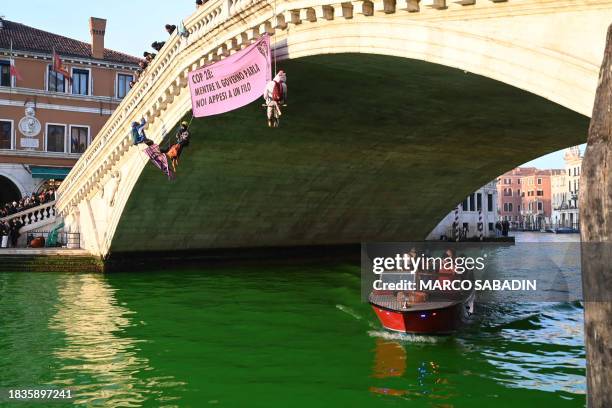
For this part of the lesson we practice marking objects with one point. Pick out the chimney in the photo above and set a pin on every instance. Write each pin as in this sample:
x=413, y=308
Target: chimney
x=97, y=26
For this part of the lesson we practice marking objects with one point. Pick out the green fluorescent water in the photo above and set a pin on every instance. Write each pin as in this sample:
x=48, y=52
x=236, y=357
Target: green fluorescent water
x=272, y=337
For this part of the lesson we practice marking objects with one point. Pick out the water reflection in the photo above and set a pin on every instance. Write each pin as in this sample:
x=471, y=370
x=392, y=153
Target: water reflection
x=391, y=362
x=98, y=360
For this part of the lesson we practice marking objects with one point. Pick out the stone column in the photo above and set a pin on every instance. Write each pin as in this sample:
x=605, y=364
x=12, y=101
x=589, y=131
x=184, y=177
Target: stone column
x=596, y=234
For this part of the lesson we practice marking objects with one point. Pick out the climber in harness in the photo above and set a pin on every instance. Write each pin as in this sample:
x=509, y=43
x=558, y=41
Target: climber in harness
x=275, y=96
x=182, y=140
x=138, y=134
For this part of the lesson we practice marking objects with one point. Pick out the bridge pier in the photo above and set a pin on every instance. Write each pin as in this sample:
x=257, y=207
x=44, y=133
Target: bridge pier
x=596, y=234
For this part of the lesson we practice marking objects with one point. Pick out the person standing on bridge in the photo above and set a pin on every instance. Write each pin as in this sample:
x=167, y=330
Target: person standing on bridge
x=275, y=95
x=170, y=28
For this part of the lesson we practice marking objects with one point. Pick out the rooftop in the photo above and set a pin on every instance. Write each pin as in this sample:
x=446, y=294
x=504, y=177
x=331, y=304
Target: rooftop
x=26, y=38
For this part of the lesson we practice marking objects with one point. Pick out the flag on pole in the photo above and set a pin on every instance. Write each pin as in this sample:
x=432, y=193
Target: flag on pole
x=59, y=67
x=12, y=69
x=14, y=72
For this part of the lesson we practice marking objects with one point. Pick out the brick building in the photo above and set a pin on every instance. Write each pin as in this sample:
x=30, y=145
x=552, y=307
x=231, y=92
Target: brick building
x=47, y=120
x=509, y=190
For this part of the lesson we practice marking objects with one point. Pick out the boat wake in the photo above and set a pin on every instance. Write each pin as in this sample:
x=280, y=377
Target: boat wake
x=348, y=311
x=406, y=337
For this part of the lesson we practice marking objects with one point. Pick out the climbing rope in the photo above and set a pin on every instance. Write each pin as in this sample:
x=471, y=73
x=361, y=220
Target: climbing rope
x=274, y=41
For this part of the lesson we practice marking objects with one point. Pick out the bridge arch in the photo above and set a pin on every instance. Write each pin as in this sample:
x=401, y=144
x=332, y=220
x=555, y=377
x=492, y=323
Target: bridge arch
x=517, y=44
x=523, y=64
x=9, y=189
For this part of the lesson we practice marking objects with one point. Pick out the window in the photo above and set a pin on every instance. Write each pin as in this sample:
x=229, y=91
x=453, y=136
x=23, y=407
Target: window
x=5, y=73
x=6, y=134
x=540, y=193
x=539, y=181
x=508, y=192
x=569, y=172
x=510, y=207
x=518, y=181
x=490, y=226
x=478, y=201
x=472, y=206
x=56, y=138
x=489, y=202
x=80, y=81
x=540, y=206
x=464, y=205
x=55, y=81
x=79, y=139
x=518, y=208
x=123, y=84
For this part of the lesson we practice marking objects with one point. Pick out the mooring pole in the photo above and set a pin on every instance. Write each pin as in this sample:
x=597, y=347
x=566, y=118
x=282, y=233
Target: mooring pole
x=596, y=234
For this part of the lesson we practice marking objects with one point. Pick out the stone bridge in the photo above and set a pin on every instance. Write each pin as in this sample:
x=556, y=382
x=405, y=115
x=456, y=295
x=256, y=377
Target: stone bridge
x=398, y=110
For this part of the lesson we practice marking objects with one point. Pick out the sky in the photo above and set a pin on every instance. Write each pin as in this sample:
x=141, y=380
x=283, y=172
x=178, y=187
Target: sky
x=131, y=27
x=551, y=161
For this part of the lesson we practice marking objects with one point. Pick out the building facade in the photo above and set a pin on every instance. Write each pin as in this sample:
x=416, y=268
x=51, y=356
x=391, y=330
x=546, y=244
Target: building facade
x=509, y=193
x=49, y=115
x=565, y=209
x=476, y=214
x=536, y=202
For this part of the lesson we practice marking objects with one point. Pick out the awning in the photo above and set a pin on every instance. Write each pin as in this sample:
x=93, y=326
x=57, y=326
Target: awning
x=47, y=173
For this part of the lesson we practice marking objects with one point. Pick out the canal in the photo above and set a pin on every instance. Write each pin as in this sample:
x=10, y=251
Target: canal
x=293, y=336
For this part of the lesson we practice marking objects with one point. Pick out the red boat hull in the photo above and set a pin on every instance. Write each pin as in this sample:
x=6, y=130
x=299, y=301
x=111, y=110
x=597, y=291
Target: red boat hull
x=433, y=321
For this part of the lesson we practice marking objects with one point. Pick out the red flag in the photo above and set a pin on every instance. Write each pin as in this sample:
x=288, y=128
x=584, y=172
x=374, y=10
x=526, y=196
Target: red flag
x=59, y=67
x=14, y=72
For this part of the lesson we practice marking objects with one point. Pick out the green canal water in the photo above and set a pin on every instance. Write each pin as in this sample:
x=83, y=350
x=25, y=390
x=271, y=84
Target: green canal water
x=295, y=336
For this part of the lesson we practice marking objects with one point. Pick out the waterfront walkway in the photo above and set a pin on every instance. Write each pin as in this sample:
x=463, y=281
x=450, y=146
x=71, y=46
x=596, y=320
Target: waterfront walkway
x=48, y=260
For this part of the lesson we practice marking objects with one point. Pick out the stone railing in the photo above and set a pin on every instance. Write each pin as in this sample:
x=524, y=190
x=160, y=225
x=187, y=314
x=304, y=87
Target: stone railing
x=34, y=217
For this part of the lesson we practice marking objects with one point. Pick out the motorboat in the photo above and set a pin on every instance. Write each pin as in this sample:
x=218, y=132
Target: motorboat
x=423, y=312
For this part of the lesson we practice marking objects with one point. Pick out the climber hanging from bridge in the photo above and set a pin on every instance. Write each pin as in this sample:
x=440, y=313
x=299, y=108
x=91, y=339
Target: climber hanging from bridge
x=159, y=159
x=138, y=134
x=182, y=140
x=275, y=96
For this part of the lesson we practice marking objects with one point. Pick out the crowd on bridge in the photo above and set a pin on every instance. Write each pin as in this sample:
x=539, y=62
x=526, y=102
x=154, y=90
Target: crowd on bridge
x=27, y=202
x=9, y=229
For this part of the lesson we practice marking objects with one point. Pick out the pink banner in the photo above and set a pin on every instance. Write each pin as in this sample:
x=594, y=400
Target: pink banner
x=233, y=82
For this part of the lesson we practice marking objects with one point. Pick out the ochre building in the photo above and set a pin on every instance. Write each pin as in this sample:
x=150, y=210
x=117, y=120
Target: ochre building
x=47, y=119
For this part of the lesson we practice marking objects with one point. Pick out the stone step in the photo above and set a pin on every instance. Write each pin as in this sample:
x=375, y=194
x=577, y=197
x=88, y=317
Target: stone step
x=45, y=263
